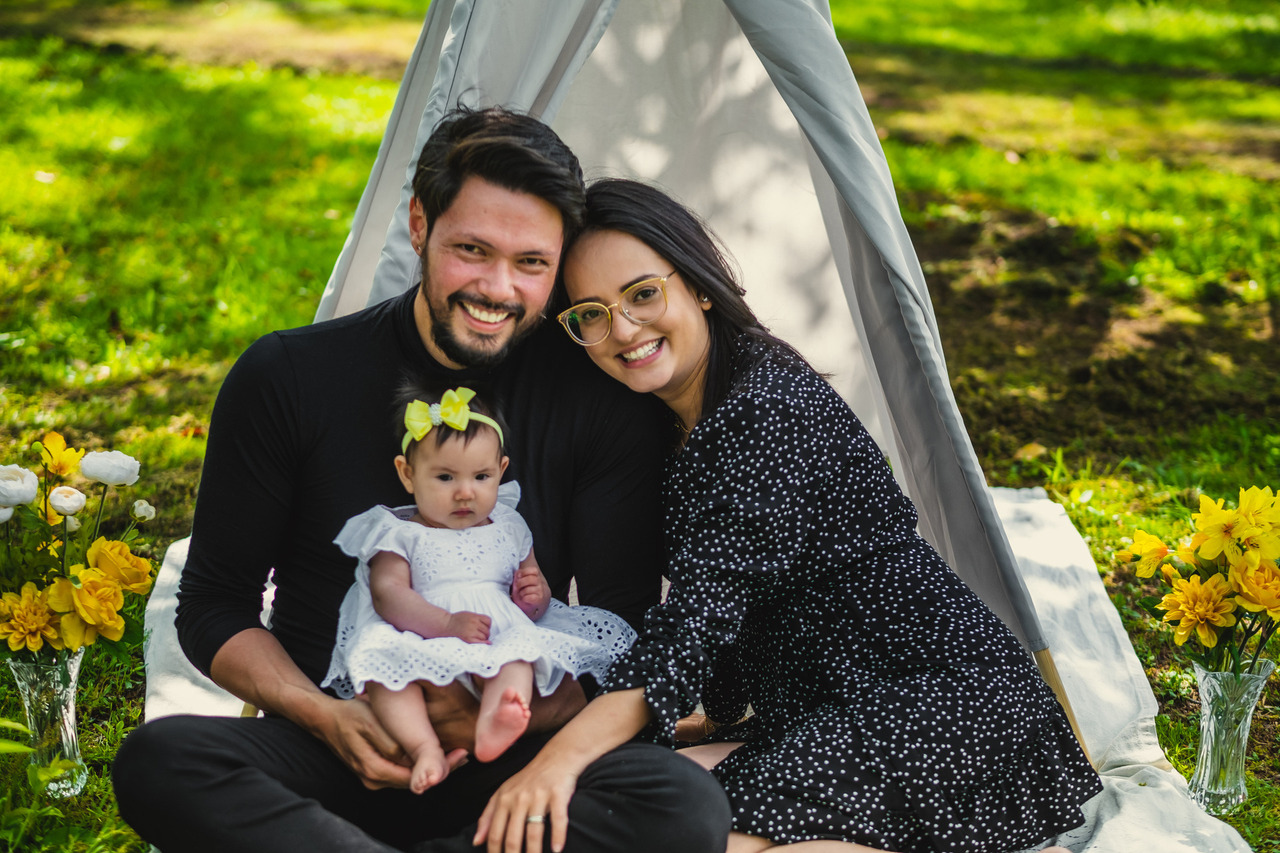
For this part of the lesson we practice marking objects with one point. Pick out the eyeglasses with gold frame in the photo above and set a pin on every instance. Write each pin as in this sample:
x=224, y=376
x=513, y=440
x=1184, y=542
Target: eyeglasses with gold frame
x=642, y=303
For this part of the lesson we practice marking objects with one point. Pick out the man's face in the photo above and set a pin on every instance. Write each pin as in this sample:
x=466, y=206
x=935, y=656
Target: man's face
x=488, y=268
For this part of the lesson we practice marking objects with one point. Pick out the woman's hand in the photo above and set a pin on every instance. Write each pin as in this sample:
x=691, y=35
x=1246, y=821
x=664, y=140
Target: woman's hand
x=541, y=790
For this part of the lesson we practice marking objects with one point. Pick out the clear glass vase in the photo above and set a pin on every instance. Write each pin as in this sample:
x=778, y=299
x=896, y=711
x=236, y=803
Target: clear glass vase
x=48, y=692
x=1226, y=712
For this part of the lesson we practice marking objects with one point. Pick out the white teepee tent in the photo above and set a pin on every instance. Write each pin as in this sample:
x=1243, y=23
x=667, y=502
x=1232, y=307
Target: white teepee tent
x=747, y=110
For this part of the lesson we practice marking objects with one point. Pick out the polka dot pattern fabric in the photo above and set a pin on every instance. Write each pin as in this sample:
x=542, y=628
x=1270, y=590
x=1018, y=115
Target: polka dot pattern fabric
x=892, y=707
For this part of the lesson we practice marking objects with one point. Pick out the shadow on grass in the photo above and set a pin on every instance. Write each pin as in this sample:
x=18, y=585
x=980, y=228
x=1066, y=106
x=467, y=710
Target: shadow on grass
x=197, y=197
x=1044, y=347
x=911, y=75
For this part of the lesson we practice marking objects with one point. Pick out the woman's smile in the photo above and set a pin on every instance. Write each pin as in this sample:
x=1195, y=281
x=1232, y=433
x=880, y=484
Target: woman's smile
x=666, y=357
x=641, y=355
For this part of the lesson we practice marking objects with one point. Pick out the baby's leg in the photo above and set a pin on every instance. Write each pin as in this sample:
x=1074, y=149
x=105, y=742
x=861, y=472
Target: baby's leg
x=403, y=713
x=504, y=710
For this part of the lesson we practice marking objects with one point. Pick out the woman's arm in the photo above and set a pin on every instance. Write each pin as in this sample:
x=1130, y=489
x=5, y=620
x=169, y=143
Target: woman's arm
x=546, y=784
x=395, y=600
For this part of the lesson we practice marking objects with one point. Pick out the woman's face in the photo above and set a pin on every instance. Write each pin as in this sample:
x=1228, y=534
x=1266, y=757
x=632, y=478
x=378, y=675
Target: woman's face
x=667, y=357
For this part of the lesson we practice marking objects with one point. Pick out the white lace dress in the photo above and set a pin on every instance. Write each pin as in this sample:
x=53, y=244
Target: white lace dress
x=461, y=570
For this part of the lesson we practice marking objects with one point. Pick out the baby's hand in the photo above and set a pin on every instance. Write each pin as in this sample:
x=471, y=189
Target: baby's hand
x=530, y=591
x=468, y=627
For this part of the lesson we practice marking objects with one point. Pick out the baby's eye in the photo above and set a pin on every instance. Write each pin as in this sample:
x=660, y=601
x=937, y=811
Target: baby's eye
x=482, y=477
x=444, y=478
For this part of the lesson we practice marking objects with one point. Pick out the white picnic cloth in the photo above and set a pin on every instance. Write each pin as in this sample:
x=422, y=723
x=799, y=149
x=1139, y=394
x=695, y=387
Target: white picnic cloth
x=1144, y=804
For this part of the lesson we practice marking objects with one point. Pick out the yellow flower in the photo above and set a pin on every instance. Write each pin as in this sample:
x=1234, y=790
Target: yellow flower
x=30, y=622
x=51, y=516
x=61, y=460
x=1258, y=508
x=89, y=606
x=1258, y=588
x=1148, y=551
x=1215, y=527
x=1196, y=607
x=117, y=562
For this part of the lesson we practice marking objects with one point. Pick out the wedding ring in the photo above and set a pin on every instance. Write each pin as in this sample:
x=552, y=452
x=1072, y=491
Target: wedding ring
x=535, y=818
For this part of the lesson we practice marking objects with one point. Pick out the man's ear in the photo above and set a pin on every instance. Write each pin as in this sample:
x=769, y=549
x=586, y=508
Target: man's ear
x=405, y=470
x=417, y=226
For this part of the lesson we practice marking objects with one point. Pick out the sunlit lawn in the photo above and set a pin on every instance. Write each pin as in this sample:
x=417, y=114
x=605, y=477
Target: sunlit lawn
x=1092, y=189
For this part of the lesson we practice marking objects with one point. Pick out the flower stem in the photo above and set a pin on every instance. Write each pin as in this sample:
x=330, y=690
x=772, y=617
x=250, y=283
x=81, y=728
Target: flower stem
x=97, y=523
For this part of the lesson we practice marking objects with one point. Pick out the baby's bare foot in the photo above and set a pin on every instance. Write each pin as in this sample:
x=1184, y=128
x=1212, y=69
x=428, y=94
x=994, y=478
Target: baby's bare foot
x=498, y=730
x=429, y=768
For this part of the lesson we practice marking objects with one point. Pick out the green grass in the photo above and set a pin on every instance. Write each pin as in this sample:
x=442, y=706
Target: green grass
x=1091, y=188
x=1237, y=37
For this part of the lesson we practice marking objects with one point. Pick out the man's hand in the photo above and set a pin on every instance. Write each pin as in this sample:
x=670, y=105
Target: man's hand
x=453, y=712
x=530, y=591
x=468, y=627
x=350, y=729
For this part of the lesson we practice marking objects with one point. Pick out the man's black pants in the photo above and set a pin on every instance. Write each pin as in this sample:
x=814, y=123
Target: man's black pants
x=262, y=784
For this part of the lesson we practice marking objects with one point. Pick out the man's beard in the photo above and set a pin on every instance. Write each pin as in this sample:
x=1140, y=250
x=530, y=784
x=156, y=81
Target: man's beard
x=459, y=352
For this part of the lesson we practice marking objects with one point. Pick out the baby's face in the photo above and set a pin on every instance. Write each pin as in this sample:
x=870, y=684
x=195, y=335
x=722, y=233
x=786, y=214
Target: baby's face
x=455, y=484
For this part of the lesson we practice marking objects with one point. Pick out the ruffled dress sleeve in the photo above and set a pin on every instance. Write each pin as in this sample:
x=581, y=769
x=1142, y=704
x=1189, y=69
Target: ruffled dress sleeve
x=377, y=529
x=736, y=520
x=505, y=514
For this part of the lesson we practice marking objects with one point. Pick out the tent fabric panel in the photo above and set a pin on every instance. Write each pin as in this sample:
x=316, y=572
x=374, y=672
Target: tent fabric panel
x=812, y=74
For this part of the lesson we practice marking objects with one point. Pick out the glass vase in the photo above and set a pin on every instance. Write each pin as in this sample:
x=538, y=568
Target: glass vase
x=1226, y=712
x=48, y=692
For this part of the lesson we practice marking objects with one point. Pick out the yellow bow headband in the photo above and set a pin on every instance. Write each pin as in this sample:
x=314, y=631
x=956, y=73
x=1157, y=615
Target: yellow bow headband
x=452, y=410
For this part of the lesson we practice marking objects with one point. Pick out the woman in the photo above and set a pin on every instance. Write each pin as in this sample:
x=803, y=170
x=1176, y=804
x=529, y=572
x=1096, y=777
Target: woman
x=892, y=710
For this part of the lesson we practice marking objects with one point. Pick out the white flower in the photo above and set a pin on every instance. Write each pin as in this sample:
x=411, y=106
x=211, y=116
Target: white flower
x=73, y=524
x=143, y=511
x=67, y=500
x=17, y=485
x=6, y=513
x=111, y=468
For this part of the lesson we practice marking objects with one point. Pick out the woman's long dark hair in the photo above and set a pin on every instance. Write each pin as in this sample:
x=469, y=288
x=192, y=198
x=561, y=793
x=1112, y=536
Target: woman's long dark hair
x=738, y=338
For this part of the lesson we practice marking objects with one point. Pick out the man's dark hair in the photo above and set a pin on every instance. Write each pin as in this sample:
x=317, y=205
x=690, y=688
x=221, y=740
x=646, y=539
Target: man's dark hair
x=508, y=149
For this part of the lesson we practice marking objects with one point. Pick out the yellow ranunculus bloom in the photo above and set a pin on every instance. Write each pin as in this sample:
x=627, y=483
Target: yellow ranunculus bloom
x=61, y=460
x=1258, y=588
x=89, y=609
x=117, y=562
x=30, y=622
x=1199, y=608
x=1148, y=551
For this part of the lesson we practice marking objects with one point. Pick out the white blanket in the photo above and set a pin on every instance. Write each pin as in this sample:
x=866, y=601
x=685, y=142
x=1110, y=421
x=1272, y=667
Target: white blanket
x=1144, y=805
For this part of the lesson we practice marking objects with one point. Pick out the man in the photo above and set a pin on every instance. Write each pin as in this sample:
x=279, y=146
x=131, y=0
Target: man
x=301, y=439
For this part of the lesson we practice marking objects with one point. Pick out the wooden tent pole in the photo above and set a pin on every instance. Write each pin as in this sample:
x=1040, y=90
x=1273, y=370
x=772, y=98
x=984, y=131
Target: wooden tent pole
x=1049, y=671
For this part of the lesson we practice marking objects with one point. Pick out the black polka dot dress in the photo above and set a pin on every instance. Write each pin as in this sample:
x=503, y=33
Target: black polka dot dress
x=892, y=708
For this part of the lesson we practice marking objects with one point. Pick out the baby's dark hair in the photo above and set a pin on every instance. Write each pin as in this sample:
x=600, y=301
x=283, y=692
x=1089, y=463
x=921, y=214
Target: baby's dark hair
x=412, y=389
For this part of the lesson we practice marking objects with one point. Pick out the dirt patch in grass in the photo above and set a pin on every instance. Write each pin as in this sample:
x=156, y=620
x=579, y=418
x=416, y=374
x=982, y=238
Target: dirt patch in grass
x=232, y=33
x=1095, y=363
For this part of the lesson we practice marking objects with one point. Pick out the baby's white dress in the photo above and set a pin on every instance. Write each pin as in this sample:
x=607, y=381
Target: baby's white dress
x=461, y=570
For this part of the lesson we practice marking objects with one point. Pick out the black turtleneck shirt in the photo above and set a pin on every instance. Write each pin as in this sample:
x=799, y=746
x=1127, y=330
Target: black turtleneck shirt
x=302, y=438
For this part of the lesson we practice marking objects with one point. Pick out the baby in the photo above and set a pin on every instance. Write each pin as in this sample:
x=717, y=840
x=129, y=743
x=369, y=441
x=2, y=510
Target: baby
x=449, y=589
